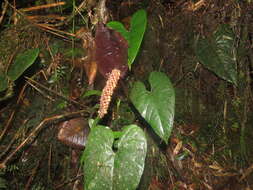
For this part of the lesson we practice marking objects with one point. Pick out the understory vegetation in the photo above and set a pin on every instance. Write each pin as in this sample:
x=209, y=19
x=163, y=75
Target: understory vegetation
x=177, y=113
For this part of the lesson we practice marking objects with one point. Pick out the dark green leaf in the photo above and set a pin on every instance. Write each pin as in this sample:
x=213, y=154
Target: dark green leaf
x=157, y=106
x=98, y=159
x=218, y=55
x=129, y=158
x=121, y=170
x=3, y=82
x=137, y=30
x=22, y=62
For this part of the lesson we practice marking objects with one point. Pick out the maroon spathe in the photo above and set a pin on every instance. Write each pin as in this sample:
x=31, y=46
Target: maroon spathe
x=111, y=51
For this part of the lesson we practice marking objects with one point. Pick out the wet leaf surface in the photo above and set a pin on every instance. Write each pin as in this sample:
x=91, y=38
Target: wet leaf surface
x=114, y=164
x=218, y=54
x=157, y=105
x=137, y=30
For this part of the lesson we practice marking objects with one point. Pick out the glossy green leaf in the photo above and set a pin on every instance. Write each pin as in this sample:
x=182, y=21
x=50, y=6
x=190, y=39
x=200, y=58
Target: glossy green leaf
x=156, y=106
x=119, y=170
x=135, y=35
x=137, y=30
x=119, y=27
x=218, y=54
x=3, y=82
x=130, y=158
x=98, y=159
x=22, y=62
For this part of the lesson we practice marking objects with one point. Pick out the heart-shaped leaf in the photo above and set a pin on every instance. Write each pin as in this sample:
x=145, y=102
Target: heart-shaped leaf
x=217, y=53
x=120, y=170
x=135, y=35
x=22, y=62
x=98, y=159
x=156, y=106
x=130, y=158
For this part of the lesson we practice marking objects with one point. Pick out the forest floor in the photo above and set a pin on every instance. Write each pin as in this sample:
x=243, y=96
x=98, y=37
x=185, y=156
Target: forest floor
x=211, y=142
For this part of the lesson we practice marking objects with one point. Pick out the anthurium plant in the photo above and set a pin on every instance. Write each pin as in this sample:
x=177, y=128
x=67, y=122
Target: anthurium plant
x=115, y=160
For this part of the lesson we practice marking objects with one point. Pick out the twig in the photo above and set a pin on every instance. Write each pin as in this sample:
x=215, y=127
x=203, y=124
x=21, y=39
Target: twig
x=32, y=176
x=15, y=18
x=57, y=94
x=48, y=17
x=181, y=79
x=36, y=131
x=42, y=26
x=49, y=163
x=43, y=6
x=20, y=97
x=246, y=173
x=4, y=11
x=75, y=12
x=12, y=140
x=53, y=30
x=69, y=181
x=224, y=126
x=8, y=147
x=41, y=92
x=7, y=124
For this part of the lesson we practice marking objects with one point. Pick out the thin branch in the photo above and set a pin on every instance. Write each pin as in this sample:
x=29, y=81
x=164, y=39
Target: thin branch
x=40, y=91
x=7, y=126
x=4, y=11
x=43, y=6
x=29, y=182
x=36, y=130
x=57, y=94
